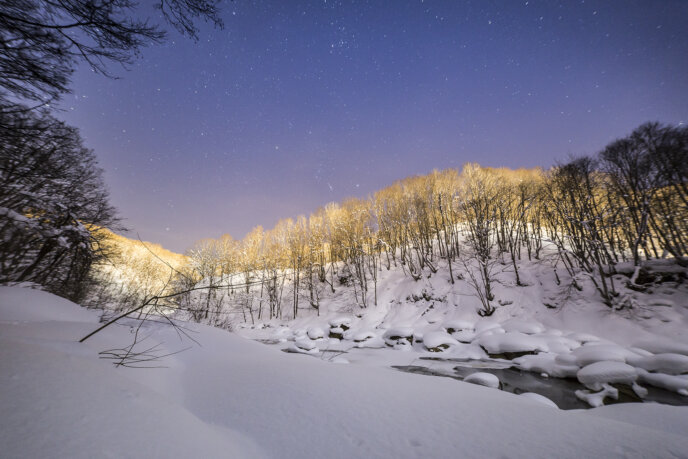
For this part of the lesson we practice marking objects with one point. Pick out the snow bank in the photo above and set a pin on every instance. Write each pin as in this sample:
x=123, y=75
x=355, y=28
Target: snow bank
x=231, y=397
x=540, y=399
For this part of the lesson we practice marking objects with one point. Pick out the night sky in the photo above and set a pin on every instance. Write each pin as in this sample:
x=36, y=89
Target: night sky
x=296, y=104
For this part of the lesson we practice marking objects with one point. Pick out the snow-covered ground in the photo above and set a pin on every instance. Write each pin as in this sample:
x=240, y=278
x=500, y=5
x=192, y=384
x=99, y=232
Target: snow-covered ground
x=232, y=397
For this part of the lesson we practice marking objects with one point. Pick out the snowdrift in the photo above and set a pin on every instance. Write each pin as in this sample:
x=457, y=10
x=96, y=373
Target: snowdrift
x=231, y=397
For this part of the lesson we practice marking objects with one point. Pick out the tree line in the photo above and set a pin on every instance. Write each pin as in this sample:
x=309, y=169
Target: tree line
x=626, y=204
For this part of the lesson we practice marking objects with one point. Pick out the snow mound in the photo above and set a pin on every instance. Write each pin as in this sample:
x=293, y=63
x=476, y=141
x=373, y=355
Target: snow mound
x=672, y=364
x=364, y=336
x=464, y=336
x=585, y=355
x=343, y=322
x=596, y=399
x=438, y=341
x=546, y=363
x=669, y=382
x=398, y=336
x=483, y=379
x=511, y=343
x=303, y=346
x=315, y=333
x=597, y=374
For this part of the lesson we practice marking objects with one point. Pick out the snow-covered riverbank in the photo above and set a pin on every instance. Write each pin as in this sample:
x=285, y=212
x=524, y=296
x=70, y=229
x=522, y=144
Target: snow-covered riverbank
x=232, y=397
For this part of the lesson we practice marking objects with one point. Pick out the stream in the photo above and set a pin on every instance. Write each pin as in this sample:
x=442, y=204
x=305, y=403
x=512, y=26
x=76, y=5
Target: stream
x=560, y=390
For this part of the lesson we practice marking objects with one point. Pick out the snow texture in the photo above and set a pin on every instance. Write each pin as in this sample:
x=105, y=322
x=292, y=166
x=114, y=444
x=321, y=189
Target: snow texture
x=232, y=397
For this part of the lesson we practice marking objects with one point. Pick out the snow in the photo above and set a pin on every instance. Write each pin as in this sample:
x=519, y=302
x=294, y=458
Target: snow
x=599, y=373
x=673, y=364
x=337, y=322
x=304, y=346
x=232, y=397
x=660, y=345
x=540, y=399
x=511, y=342
x=592, y=353
x=547, y=364
x=400, y=336
x=456, y=325
x=596, y=399
x=677, y=384
x=483, y=379
x=438, y=341
x=315, y=333
x=523, y=326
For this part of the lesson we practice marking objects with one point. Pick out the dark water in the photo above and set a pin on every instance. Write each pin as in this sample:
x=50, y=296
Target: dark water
x=560, y=391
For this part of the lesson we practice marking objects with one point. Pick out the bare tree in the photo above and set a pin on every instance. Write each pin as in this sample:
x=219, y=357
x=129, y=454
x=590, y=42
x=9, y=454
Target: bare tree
x=43, y=41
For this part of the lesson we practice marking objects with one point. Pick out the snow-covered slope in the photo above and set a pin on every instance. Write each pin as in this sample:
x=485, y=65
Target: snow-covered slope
x=230, y=397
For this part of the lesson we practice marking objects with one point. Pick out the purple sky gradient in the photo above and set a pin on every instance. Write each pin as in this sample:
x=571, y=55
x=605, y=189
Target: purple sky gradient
x=297, y=104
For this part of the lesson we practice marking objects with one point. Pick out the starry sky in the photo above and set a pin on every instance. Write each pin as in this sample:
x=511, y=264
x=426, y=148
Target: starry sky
x=295, y=104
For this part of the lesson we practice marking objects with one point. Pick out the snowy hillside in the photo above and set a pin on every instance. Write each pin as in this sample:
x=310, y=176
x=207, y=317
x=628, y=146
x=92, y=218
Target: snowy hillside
x=231, y=397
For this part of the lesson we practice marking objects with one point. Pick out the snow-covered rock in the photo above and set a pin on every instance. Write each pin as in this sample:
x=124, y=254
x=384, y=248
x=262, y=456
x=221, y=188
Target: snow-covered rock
x=483, y=379
x=303, y=346
x=597, y=374
x=671, y=364
x=438, y=341
x=464, y=336
x=511, y=343
x=343, y=322
x=591, y=353
x=398, y=336
x=546, y=363
x=672, y=383
x=663, y=346
x=596, y=398
x=315, y=333
x=363, y=336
